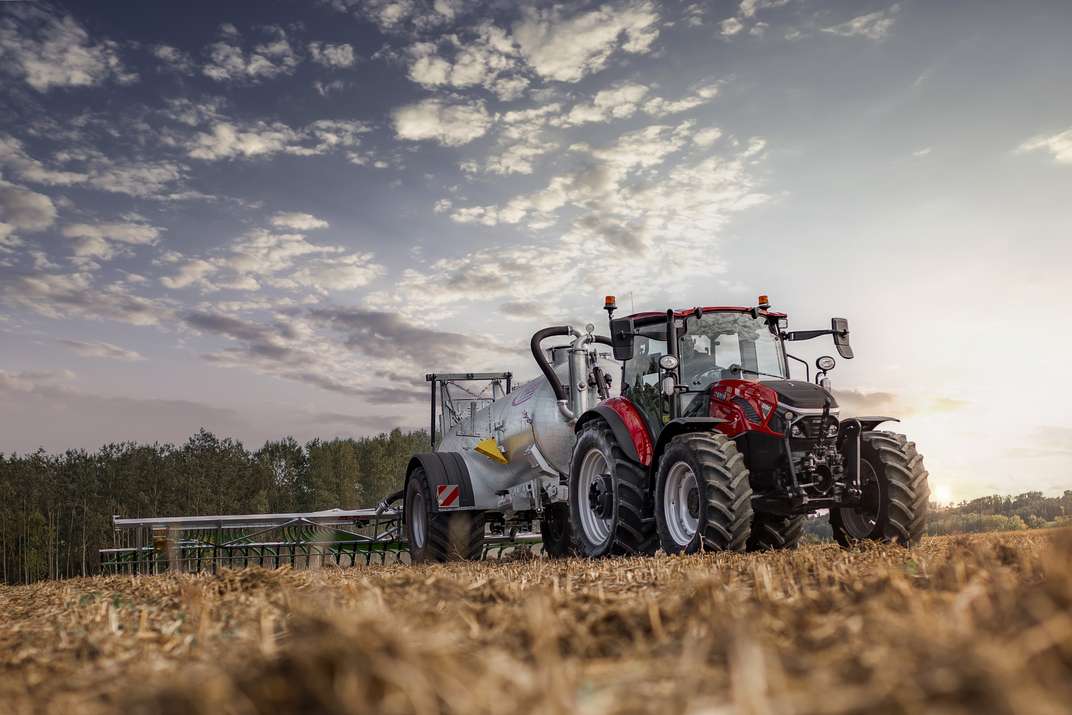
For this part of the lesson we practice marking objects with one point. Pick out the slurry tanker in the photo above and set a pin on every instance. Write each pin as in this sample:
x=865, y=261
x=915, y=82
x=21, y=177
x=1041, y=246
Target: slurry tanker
x=682, y=430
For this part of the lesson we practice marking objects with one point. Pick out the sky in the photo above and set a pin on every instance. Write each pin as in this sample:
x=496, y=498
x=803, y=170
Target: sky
x=274, y=218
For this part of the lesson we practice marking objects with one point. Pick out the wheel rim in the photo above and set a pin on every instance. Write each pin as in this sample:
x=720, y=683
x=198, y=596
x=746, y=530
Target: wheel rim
x=418, y=519
x=593, y=472
x=860, y=521
x=681, y=503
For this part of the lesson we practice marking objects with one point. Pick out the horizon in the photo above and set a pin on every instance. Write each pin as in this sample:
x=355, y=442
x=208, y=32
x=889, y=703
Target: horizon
x=274, y=220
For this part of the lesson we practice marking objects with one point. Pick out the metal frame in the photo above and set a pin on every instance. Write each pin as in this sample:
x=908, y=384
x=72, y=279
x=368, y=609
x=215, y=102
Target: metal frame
x=334, y=537
x=440, y=395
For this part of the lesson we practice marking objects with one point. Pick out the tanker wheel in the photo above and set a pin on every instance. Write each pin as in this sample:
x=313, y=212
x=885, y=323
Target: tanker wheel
x=893, y=507
x=703, y=499
x=774, y=531
x=607, y=497
x=556, y=532
x=439, y=536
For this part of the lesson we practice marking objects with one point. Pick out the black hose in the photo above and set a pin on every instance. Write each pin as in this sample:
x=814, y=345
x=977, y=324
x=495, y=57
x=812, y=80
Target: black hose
x=541, y=359
x=602, y=340
x=386, y=503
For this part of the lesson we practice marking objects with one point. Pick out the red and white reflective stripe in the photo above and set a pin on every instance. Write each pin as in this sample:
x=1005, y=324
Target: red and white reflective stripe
x=448, y=495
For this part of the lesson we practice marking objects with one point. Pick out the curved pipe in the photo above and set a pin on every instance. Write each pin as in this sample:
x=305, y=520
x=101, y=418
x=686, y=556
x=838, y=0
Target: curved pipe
x=547, y=370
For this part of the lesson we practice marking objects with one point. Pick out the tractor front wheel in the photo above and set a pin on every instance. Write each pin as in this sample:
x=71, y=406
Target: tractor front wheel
x=703, y=499
x=893, y=506
x=607, y=495
x=439, y=536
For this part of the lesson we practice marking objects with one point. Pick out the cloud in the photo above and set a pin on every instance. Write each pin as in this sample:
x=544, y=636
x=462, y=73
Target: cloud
x=340, y=273
x=618, y=102
x=83, y=166
x=873, y=25
x=96, y=349
x=192, y=272
x=228, y=62
x=23, y=210
x=1059, y=145
x=55, y=414
x=298, y=221
x=567, y=48
x=131, y=233
x=339, y=55
x=860, y=402
x=450, y=122
x=76, y=295
x=393, y=16
x=624, y=206
x=48, y=51
x=228, y=140
x=174, y=59
x=484, y=55
x=730, y=27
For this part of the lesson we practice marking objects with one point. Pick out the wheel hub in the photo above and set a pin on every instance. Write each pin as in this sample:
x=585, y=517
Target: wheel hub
x=693, y=503
x=601, y=497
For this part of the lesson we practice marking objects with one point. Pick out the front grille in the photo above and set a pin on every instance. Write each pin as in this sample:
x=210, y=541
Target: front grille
x=749, y=412
x=811, y=426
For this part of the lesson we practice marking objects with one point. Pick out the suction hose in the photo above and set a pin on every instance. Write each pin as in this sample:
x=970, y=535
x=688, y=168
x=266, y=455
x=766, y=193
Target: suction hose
x=547, y=370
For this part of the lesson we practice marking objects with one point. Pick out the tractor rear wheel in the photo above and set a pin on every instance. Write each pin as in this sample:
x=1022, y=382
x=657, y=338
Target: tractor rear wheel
x=607, y=493
x=703, y=499
x=893, y=507
x=773, y=531
x=556, y=532
x=439, y=536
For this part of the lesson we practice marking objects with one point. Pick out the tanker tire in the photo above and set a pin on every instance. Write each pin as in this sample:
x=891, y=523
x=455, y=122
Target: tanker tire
x=448, y=536
x=903, y=492
x=556, y=531
x=632, y=530
x=771, y=532
x=724, y=504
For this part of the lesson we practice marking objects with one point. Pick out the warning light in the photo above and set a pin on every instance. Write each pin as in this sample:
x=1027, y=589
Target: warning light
x=764, y=301
x=610, y=304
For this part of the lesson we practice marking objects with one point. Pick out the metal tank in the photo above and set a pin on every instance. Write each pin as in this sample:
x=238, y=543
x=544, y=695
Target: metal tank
x=517, y=448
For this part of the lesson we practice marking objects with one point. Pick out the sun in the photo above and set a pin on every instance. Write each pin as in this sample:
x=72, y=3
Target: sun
x=941, y=494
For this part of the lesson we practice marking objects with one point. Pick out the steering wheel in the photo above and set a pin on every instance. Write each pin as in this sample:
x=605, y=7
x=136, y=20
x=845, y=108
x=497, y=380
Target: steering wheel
x=715, y=373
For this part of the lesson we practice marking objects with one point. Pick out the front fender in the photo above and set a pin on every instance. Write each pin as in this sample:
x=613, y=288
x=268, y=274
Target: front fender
x=869, y=423
x=681, y=425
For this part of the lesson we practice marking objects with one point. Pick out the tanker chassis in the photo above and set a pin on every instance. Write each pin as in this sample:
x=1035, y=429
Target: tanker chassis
x=681, y=431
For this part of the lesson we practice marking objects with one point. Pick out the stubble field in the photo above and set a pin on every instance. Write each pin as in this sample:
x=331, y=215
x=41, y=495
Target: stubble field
x=959, y=625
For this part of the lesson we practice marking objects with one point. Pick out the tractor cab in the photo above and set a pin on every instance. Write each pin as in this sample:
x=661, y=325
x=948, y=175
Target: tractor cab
x=671, y=379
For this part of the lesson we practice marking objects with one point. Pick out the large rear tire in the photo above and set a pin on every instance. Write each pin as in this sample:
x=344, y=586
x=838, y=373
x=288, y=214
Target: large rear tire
x=893, y=508
x=703, y=499
x=771, y=532
x=436, y=536
x=608, y=492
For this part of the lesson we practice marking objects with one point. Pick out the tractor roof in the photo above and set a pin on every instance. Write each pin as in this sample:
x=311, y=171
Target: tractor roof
x=686, y=312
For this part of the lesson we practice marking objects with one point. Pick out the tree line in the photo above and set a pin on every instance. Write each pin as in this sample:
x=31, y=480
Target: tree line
x=56, y=510
x=1030, y=510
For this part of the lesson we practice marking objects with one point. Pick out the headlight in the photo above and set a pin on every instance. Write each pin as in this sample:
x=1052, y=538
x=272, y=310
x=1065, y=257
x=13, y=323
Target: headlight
x=668, y=362
x=825, y=363
x=832, y=431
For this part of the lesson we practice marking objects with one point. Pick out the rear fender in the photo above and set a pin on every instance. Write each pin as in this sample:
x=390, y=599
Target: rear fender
x=628, y=425
x=443, y=469
x=682, y=425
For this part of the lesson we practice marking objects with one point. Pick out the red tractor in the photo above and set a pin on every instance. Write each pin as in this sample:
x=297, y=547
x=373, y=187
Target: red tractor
x=712, y=446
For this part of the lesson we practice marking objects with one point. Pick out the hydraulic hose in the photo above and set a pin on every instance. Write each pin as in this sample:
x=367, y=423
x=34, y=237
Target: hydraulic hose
x=545, y=366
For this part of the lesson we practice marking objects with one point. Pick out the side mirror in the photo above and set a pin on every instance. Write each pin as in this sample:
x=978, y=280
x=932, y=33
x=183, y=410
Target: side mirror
x=840, y=328
x=621, y=338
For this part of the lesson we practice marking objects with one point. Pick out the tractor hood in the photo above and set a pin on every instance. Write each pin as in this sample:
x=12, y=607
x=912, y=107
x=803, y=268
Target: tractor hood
x=802, y=395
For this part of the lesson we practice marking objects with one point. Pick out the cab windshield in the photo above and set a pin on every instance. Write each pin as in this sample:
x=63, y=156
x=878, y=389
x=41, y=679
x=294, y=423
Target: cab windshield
x=730, y=345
